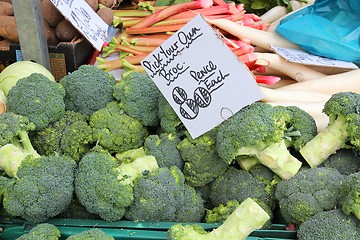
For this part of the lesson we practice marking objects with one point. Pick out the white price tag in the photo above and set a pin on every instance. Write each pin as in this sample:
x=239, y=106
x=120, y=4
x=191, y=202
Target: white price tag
x=84, y=19
x=200, y=77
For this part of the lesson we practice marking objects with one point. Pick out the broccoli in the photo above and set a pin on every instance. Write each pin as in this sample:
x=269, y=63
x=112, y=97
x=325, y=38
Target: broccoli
x=169, y=120
x=71, y=135
x=37, y=98
x=15, y=143
x=42, y=231
x=259, y=130
x=310, y=191
x=202, y=163
x=350, y=195
x=115, y=130
x=104, y=187
x=238, y=184
x=4, y=184
x=163, y=195
x=164, y=148
x=43, y=188
x=346, y=161
x=330, y=225
x=245, y=219
x=88, y=89
x=138, y=96
x=341, y=132
x=91, y=234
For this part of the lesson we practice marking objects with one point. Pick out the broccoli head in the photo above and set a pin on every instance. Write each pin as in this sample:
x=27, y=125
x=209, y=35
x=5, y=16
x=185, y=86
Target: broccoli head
x=169, y=120
x=246, y=218
x=138, y=96
x=332, y=224
x=312, y=190
x=88, y=89
x=342, y=131
x=71, y=135
x=346, y=161
x=91, y=234
x=104, y=187
x=15, y=143
x=115, y=130
x=42, y=231
x=350, y=200
x=163, y=195
x=164, y=148
x=43, y=188
x=259, y=130
x=37, y=98
x=202, y=163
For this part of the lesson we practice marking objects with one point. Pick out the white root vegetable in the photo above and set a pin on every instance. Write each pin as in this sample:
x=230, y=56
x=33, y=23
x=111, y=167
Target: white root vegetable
x=273, y=14
x=330, y=84
x=261, y=38
x=296, y=71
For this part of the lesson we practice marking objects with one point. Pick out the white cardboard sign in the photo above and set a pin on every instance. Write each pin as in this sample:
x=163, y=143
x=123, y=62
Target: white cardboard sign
x=306, y=58
x=84, y=19
x=200, y=77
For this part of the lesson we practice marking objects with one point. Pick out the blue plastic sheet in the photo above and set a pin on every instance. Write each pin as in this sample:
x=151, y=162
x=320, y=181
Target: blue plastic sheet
x=328, y=28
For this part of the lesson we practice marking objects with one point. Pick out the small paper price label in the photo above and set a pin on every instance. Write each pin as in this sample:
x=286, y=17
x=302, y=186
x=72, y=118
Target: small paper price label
x=200, y=77
x=85, y=20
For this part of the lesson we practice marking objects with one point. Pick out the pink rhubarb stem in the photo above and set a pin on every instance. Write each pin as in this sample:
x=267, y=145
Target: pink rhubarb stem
x=156, y=29
x=118, y=63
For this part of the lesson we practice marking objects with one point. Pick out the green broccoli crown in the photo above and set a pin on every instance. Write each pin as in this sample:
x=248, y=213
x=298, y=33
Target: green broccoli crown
x=164, y=148
x=202, y=163
x=138, y=96
x=88, y=89
x=98, y=188
x=350, y=200
x=332, y=224
x=169, y=120
x=42, y=231
x=162, y=195
x=5, y=183
x=237, y=184
x=310, y=191
x=91, y=234
x=115, y=130
x=186, y=232
x=13, y=126
x=44, y=188
x=220, y=213
x=346, y=161
x=71, y=135
x=38, y=98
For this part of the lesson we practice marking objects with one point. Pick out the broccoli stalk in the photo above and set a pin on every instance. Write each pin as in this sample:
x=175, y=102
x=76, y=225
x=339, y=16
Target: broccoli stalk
x=245, y=219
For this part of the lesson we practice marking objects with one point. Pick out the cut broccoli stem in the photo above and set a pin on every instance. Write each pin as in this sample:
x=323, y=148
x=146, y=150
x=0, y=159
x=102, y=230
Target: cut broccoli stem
x=278, y=158
x=26, y=144
x=325, y=142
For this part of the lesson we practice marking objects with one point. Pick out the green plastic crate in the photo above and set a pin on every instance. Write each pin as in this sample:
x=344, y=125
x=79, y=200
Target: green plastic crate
x=128, y=230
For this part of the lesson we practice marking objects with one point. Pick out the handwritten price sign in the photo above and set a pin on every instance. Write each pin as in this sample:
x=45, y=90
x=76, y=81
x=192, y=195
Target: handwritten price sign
x=200, y=77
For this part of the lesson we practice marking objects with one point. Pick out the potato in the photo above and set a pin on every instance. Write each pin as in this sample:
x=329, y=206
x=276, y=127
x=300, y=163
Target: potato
x=65, y=31
x=94, y=4
x=106, y=14
x=8, y=28
x=4, y=44
x=108, y=3
x=6, y=9
x=50, y=13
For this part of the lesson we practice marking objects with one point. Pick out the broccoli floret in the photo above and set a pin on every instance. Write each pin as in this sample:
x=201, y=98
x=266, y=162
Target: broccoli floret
x=37, y=98
x=71, y=135
x=238, y=184
x=15, y=143
x=202, y=163
x=88, y=89
x=341, y=132
x=42, y=231
x=104, y=187
x=350, y=200
x=332, y=224
x=245, y=219
x=4, y=184
x=162, y=195
x=43, y=188
x=169, y=120
x=164, y=148
x=259, y=130
x=138, y=96
x=346, y=161
x=91, y=234
x=312, y=190
x=115, y=130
